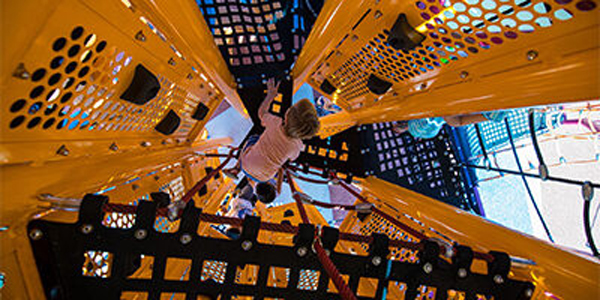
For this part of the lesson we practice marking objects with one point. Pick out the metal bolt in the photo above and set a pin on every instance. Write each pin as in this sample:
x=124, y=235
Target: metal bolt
x=246, y=245
x=113, y=147
x=423, y=86
x=376, y=261
x=498, y=279
x=462, y=273
x=302, y=251
x=354, y=38
x=20, y=72
x=464, y=74
x=532, y=54
x=543, y=169
x=87, y=228
x=427, y=268
x=190, y=76
x=35, y=234
x=140, y=36
x=141, y=234
x=63, y=151
x=172, y=61
x=146, y=144
x=135, y=187
x=528, y=292
x=378, y=14
x=185, y=238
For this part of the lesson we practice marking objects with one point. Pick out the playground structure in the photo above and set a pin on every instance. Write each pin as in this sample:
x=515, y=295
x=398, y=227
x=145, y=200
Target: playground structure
x=84, y=162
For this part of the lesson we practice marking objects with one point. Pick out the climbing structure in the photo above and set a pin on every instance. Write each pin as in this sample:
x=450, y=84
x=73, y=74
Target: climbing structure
x=111, y=185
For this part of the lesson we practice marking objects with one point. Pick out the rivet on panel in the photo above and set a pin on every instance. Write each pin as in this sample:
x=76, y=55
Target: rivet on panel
x=87, y=228
x=113, y=147
x=190, y=76
x=354, y=38
x=338, y=53
x=378, y=14
x=63, y=151
x=532, y=54
x=498, y=279
x=21, y=72
x=140, y=36
x=247, y=245
x=135, y=187
x=185, y=238
x=464, y=74
x=172, y=61
x=146, y=144
x=302, y=251
x=428, y=268
x=35, y=234
x=141, y=234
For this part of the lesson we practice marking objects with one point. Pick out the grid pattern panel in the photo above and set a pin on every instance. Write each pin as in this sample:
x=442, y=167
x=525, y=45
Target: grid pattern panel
x=455, y=30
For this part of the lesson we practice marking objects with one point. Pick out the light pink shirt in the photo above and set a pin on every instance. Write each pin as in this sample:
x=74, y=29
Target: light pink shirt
x=263, y=159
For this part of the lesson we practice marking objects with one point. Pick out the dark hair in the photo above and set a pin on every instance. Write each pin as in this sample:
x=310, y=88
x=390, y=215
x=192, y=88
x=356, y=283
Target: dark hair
x=265, y=192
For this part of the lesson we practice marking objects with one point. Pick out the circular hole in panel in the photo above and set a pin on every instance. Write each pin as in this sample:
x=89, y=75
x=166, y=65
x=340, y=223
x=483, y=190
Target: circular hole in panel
x=543, y=22
x=433, y=35
x=475, y=12
x=54, y=79
x=34, y=122
x=64, y=111
x=80, y=86
x=89, y=101
x=491, y=17
x=542, y=8
x=456, y=35
x=83, y=71
x=496, y=40
x=452, y=25
x=510, y=35
x=38, y=74
x=462, y=53
x=101, y=91
x=91, y=89
x=526, y=28
x=460, y=7
x=50, y=109
x=98, y=61
x=66, y=97
x=472, y=2
x=563, y=2
x=73, y=124
x=59, y=44
x=421, y=5
x=17, y=105
x=89, y=40
x=481, y=35
x=449, y=14
x=508, y=23
x=424, y=15
x=17, y=121
x=75, y=112
x=85, y=57
x=494, y=29
x=107, y=105
x=95, y=115
x=488, y=4
x=53, y=95
x=442, y=30
x=116, y=69
x=35, y=108
x=57, y=62
x=484, y=45
x=48, y=123
x=101, y=46
x=77, y=100
x=119, y=56
x=506, y=10
x=94, y=76
x=450, y=49
x=115, y=80
x=463, y=19
x=36, y=92
x=473, y=49
x=86, y=113
x=478, y=24
x=62, y=124
x=434, y=9
x=438, y=21
x=68, y=83
x=563, y=14
x=522, y=3
x=73, y=50
x=77, y=33
x=127, y=61
x=84, y=124
x=459, y=45
x=524, y=15
x=71, y=67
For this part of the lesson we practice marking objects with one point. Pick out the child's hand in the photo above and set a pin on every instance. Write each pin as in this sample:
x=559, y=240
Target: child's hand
x=272, y=88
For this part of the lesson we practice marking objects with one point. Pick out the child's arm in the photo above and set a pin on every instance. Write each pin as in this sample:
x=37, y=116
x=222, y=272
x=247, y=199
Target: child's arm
x=271, y=94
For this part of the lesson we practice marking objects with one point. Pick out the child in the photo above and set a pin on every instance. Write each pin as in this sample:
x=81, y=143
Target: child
x=262, y=156
x=428, y=128
x=244, y=204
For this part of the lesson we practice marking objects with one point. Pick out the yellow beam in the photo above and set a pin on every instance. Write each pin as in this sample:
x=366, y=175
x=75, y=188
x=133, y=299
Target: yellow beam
x=566, y=274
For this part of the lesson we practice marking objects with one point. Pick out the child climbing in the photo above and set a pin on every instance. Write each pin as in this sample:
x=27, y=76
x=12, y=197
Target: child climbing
x=244, y=203
x=263, y=156
x=428, y=128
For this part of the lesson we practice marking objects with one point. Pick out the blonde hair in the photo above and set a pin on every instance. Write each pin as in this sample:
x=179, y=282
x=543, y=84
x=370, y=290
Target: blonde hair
x=301, y=120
